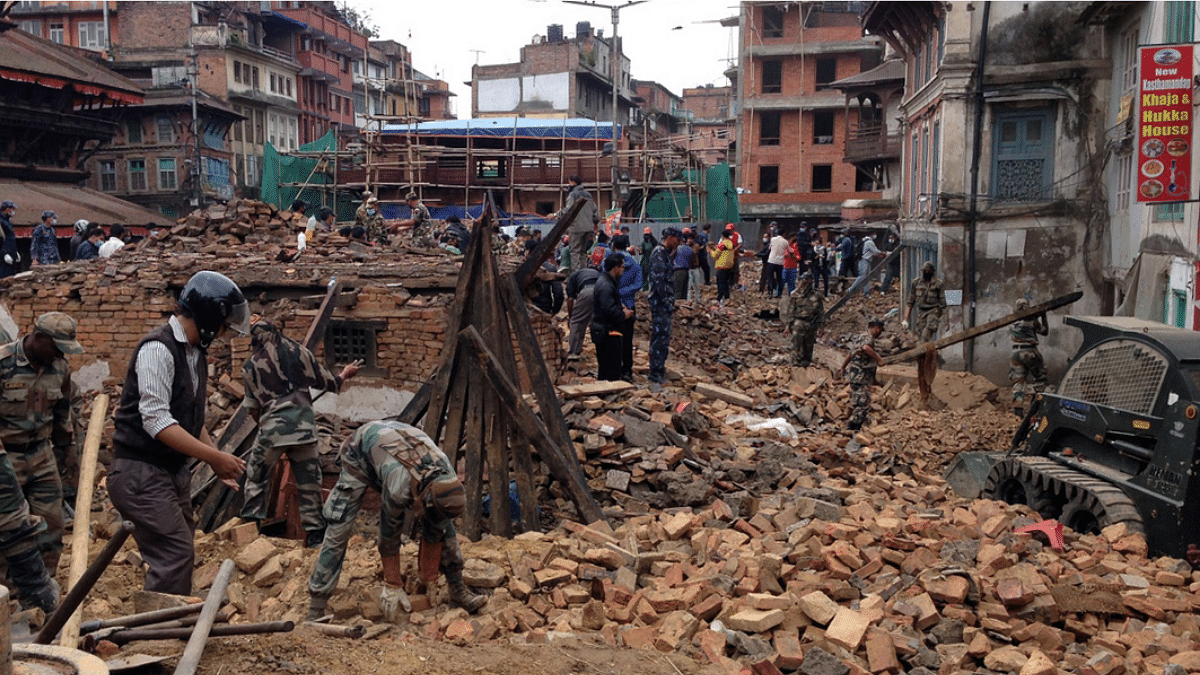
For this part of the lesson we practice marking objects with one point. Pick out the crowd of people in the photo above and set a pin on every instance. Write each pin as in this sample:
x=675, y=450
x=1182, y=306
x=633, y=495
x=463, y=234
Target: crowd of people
x=89, y=242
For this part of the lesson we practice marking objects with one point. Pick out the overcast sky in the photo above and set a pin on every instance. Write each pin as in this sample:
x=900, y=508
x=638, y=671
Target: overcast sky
x=441, y=35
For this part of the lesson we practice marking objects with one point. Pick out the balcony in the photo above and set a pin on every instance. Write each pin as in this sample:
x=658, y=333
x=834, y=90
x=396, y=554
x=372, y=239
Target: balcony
x=871, y=143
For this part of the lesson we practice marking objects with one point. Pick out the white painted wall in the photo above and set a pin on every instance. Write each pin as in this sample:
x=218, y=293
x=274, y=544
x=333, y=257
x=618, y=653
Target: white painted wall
x=363, y=403
x=507, y=94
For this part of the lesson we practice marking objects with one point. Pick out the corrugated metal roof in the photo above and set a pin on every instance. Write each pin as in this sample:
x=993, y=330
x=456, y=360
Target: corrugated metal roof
x=70, y=203
x=26, y=58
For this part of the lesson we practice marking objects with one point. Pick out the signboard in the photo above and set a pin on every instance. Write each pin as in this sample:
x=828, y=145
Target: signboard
x=1165, y=124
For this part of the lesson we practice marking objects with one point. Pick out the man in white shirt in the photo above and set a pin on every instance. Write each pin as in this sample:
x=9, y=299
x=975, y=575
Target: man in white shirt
x=116, y=240
x=778, y=251
x=870, y=255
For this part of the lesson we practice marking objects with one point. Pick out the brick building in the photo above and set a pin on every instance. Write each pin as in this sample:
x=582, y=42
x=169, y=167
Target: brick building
x=711, y=119
x=74, y=24
x=399, y=90
x=791, y=123
x=556, y=76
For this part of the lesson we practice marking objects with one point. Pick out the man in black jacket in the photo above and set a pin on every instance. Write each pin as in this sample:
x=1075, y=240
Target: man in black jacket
x=608, y=315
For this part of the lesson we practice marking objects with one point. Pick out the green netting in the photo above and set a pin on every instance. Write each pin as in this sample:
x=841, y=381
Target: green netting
x=722, y=195
x=721, y=204
x=281, y=170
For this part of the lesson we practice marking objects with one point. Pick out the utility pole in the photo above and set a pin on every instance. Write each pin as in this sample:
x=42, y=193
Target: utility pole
x=616, y=83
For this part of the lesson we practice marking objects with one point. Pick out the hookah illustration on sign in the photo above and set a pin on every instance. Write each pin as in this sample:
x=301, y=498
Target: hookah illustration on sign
x=1177, y=179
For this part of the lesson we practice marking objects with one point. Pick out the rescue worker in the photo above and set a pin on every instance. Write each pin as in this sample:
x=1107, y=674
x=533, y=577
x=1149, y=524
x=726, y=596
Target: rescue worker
x=805, y=315
x=928, y=301
x=35, y=420
x=10, y=259
x=863, y=361
x=159, y=424
x=419, y=222
x=410, y=473
x=82, y=227
x=27, y=575
x=370, y=219
x=278, y=376
x=662, y=302
x=582, y=229
x=1026, y=369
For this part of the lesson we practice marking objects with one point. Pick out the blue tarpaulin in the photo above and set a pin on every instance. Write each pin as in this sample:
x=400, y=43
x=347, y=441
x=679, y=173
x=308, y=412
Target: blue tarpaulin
x=510, y=127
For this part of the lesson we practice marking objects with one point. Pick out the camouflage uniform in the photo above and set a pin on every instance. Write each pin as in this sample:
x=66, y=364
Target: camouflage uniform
x=861, y=375
x=1026, y=369
x=808, y=314
x=278, y=376
x=385, y=457
x=35, y=420
x=421, y=234
x=930, y=304
x=377, y=231
x=662, y=309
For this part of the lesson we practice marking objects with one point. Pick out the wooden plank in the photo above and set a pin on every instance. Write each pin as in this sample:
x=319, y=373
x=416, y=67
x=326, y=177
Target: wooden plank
x=417, y=405
x=727, y=395
x=1060, y=301
x=595, y=388
x=854, y=289
x=473, y=515
x=510, y=398
x=316, y=330
x=524, y=273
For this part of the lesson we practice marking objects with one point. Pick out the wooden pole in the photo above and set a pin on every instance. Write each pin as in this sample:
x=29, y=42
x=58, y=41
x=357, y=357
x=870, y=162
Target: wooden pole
x=82, y=527
x=195, y=647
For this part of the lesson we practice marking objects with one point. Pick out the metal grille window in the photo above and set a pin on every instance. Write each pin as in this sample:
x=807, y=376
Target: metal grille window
x=166, y=130
x=347, y=341
x=1179, y=20
x=1122, y=374
x=1023, y=156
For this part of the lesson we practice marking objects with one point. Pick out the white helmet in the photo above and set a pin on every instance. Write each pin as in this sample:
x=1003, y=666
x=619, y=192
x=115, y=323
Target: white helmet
x=81, y=226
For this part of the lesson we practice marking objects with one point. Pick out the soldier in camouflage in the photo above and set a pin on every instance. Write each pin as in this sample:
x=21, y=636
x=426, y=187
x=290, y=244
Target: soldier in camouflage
x=411, y=474
x=421, y=234
x=19, y=529
x=806, y=309
x=862, y=361
x=662, y=302
x=1026, y=369
x=370, y=219
x=35, y=419
x=929, y=302
x=278, y=376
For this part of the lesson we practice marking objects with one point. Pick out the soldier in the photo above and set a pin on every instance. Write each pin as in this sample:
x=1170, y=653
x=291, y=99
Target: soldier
x=863, y=361
x=807, y=314
x=410, y=473
x=370, y=219
x=1026, y=369
x=278, y=376
x=8, y=243
x=420, y=222
x=929, y=301
x=35, y=420
x=662, y=302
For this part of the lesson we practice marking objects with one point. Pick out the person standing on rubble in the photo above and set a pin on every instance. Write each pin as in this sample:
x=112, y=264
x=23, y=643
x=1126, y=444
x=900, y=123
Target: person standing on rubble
x=35, y=421
x=410, y=473
x=807, y=315
x=649, y=243
x=370, y=219
x=724, y=258
x=115, y=242
x=582, y=229
x=10, y=259
x=662, y=303
x=90, y=248
x=863, y=361
x=628, y=287
x=279, y=375
x=1026, y=369
x=580, y=288
x=929, y=302
x=419, y=223
x=82, y=227
x=609, y=315
x=159, y=424
x=44, y=246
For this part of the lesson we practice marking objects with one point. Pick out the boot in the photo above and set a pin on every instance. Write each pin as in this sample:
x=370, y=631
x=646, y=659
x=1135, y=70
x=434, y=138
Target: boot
x=317, y=607
x=313, y=538
x=34, y=585
x=463, y=597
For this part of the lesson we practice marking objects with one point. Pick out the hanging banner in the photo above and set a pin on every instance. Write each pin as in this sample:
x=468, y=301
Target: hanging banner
x=1165, y=124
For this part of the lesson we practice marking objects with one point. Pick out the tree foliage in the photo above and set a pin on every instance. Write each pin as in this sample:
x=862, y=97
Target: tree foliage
x=359, y=19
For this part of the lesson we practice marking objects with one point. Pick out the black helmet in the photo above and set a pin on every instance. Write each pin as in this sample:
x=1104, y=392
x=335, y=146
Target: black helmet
x=213, y=301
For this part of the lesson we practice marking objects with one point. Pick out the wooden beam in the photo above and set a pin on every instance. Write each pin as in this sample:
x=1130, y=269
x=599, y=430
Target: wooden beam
x=533, y=263
x=988, y=327
x=854, y=289
x=530, y=425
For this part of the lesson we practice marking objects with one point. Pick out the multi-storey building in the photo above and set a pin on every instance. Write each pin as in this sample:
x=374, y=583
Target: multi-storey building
x=557, y=76
x=791, y=126
x=710, y=121
x=393, y=88
x=76, y=24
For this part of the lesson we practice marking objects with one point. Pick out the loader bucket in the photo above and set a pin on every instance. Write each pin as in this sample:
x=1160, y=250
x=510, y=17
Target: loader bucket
x=969, y=470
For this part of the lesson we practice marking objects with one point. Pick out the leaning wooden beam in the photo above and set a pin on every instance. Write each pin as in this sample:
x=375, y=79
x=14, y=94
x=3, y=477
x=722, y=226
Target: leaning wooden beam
x=525, y=272
x=854, y=289
x=988, y=327
x=530, y=425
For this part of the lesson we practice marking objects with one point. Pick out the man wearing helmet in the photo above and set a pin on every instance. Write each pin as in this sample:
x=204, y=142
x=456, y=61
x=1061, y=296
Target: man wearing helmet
x=81, y=229
x=410, y=473
x=1026, y=369
x=159, y=424
x=44, y=247
x=10, y=260
x=928, y=301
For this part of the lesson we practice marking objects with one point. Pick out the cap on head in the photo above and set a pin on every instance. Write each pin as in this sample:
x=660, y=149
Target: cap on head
x=6, y=204
x=729, y=227
x=371, y=201
x=60, y=328
x=47, y=215
x=646, y=231
x=410, y=197
x=1021, y=304
x=928, y=266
